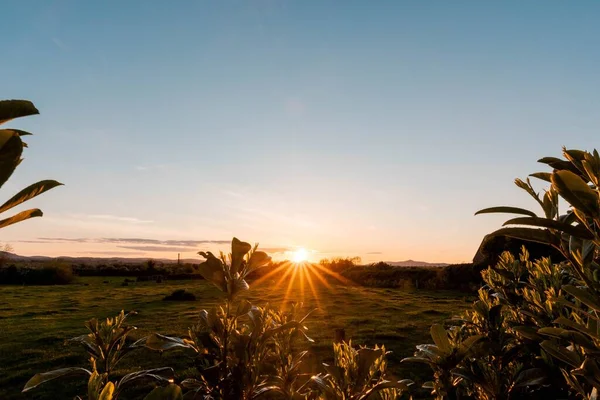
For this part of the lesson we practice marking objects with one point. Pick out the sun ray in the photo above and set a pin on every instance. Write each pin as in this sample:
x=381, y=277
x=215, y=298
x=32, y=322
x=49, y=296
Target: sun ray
x=320, y=277
x=312, y=287
x=290, y=284
x=271, y=273
x=301, y=268
x=286, y=273
x=334, y=275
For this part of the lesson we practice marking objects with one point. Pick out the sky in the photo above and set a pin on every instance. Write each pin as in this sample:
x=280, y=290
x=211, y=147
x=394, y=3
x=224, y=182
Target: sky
x=349, y=128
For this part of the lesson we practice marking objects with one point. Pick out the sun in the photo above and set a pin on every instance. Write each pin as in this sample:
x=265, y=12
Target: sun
x=300, y=255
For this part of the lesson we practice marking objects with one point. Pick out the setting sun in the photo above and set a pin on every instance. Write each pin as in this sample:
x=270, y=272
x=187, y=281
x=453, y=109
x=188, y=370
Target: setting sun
x=300, y=255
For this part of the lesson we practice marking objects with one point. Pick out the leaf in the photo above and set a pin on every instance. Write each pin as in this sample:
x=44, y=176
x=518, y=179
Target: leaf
x=584, y=296
x=506, y=209
x=169, y=392
x=38, y=379
x=160, y=342
x=575, y=230
x=212, y=271
x=545, y=176
x=258, y=259
x=11, y=109
x=10, y=155
x=531, y=235
x=574, y=325
x=365, y=359
x=531, y=377
x=238, y=250
x=440, y=338
x=575, y=191
x=163, y=375
x=107, y=392
x=561, y=353
x=22, y=216
x=29, y=192
x=558, y=164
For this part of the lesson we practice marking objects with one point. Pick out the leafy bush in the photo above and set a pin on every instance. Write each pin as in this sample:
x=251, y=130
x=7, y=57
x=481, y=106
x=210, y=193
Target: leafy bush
x=180, y=295
x=106, y=343
x=533, y=330
x=53, y=274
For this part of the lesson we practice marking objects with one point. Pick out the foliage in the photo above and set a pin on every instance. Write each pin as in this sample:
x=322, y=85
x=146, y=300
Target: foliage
x=11, y=149
x=51, y=274
x=357, y=374
x=534, y=326
x=242, y=351
x=106, y=343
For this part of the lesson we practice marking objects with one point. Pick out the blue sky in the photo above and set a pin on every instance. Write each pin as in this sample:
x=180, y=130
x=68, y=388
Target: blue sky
x=373, y=129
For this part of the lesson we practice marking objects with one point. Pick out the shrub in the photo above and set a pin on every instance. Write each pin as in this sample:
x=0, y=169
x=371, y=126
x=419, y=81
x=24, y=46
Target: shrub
x=180, y=295
x=533, y=330
x=55, y=274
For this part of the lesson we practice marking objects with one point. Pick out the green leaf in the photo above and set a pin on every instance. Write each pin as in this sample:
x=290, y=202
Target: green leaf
x=258, y=259
x=561, y=353
x=10, y=109
x=38, y=379
x=532, y=235
x=163, y=375
x=238, y=250
x=575, y=230
x=169, y=392
x=10, y=155
x=531, y=377
x=440, y=338
x=506, y=209
x=107, y=392
x=574, y=190
x=545, y=176
x=558, y=164
x=29, y=192
x=213, y=271
x=22, y=216
x=160, y=342
x=583, y=295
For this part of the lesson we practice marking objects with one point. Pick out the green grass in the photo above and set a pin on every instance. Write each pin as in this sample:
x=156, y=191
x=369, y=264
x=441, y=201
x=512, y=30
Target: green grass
x=35, y=321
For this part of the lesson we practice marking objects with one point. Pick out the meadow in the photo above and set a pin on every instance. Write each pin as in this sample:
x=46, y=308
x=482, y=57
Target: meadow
x=36, y=320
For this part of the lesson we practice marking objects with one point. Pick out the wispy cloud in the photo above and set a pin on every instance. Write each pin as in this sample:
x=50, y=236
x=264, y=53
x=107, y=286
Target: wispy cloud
x=134, y=241
x=60, y=44
x=156, y=248
x=108, y=217
x=276, y=249
x=374, y=252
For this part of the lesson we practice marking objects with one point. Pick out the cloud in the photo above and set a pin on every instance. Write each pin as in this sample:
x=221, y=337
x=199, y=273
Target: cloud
x=134, y=241
x=116, y=252
x=375, y=252
x=58, y=240
x=60, y=44
x=119, y=219
x=157, y=248
x=294, y=107
x=276, y=249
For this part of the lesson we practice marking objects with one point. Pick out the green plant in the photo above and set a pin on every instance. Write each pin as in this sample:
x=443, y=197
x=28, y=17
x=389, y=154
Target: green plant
x=106, y=343
x=357, y=374
x=569, y=338
x=242, y=351
x=11, y=149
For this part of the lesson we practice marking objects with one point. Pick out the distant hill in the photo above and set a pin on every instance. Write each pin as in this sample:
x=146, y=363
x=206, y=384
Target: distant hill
x=92, y=260
x=412, y=263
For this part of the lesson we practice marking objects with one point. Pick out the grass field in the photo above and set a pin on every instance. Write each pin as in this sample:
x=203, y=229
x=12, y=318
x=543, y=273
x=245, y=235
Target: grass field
x=35, y=321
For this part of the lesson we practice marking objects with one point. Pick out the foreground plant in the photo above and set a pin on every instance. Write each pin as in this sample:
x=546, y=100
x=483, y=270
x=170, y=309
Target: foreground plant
x=242, y=351
x=106, y=343
x=357, y=374
x=11, y=149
